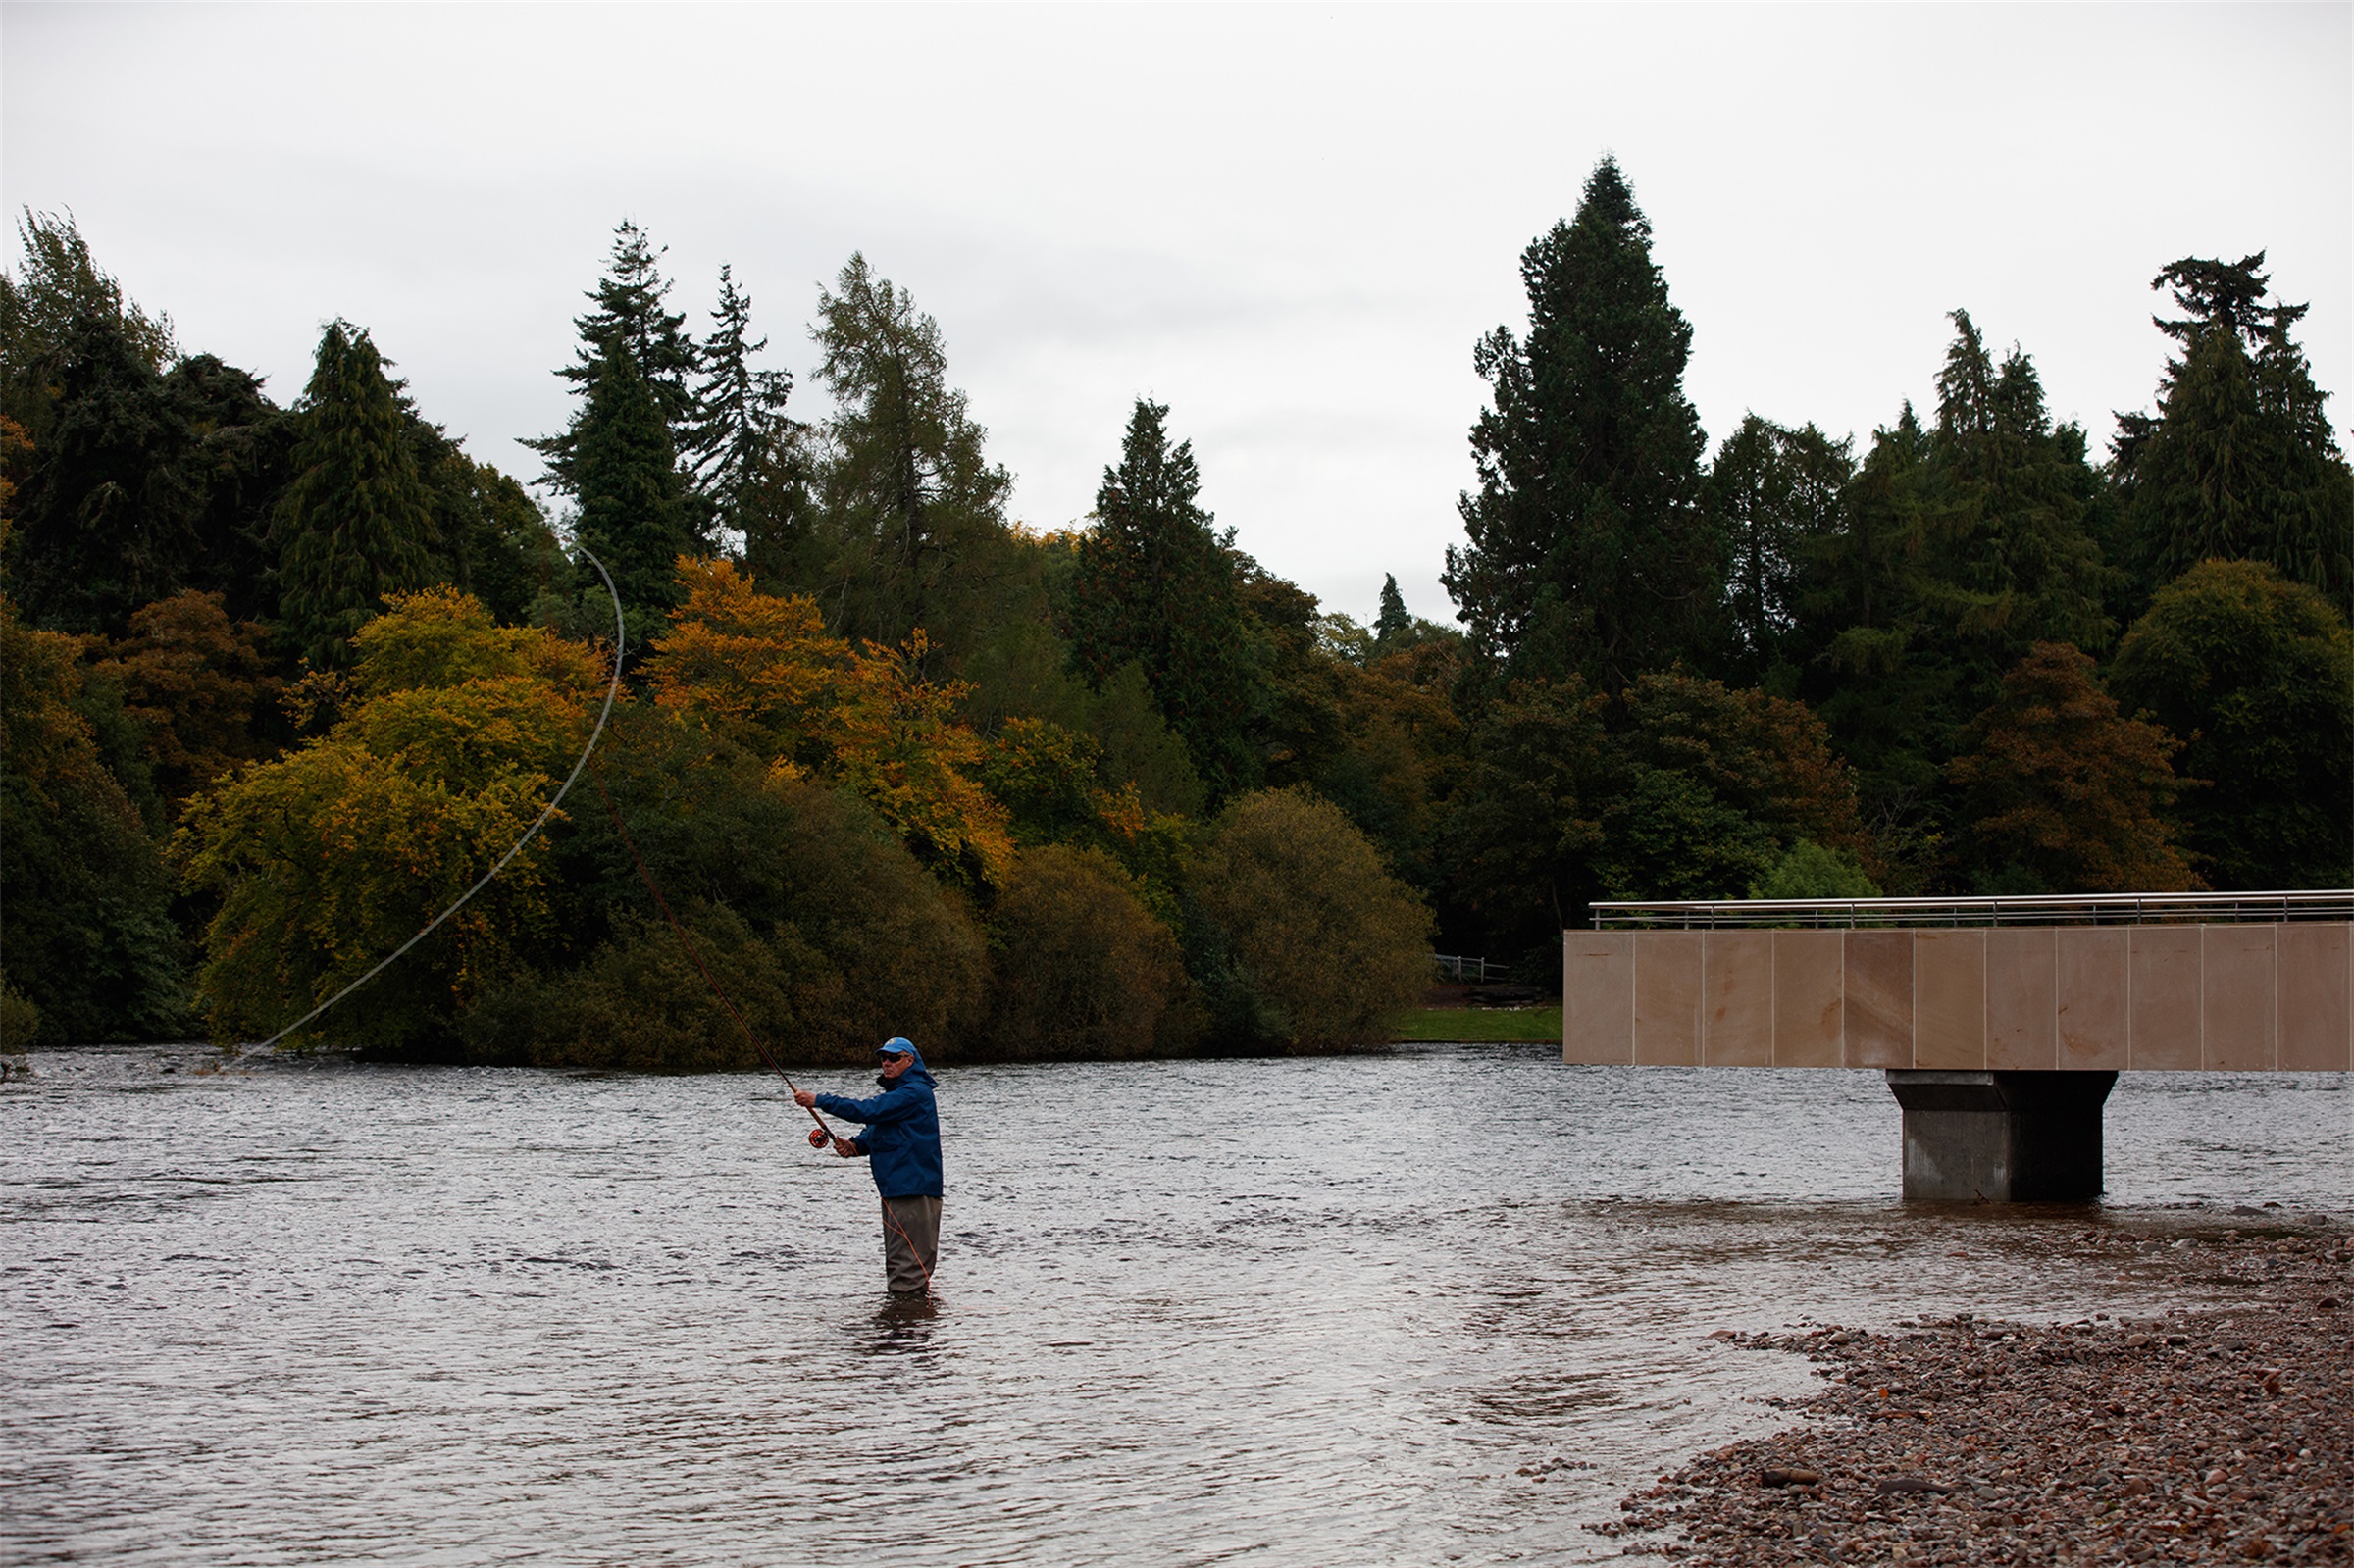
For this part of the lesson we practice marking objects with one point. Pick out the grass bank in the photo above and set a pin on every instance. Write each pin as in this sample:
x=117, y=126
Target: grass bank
x=1479, y=1024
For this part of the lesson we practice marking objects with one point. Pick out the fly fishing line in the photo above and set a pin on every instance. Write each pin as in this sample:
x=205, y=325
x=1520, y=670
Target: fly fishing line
x=612, y=690
x=820, y=1136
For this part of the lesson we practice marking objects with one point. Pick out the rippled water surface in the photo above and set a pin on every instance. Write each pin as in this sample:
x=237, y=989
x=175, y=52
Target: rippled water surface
x=1251, y=1311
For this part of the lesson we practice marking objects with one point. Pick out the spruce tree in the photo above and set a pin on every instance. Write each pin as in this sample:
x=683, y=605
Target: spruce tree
x=241, y=462
x=740, y=411
x=357, y=522
x=2239, y=461
x=630, y=321
x=58, y=290
x=630, y=313
x=2010, y=562
x=106, y=518
x=1153, y=584
x=625, y=476
x=1589, y=549
x=143, y=471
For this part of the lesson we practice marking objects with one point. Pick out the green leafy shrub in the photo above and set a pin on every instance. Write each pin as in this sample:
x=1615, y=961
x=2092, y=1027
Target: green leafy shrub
x=817, y=921
x=1081, y=968
x=2257, y=674
x=1810, y=870
x=642, y=1004
x=19, y=1027
x=1328, y=943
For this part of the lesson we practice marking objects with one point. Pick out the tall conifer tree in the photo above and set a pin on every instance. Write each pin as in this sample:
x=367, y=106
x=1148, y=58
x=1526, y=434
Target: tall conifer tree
x=2239, y=462
x=630, y=319
x=912, y=509
x=1392, y=627
x=1771, y=492
x=625, y=476
x=1589, y=549
x=743, y=453
x=631, y=314
x=60, y=288
x=740, y=411
x=357, y=522
x=1153, y=584
x=107, y=518
x=2011, y=563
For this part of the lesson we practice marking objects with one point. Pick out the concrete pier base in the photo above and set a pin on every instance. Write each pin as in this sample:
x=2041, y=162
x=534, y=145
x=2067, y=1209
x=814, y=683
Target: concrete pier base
x=2001, y=1137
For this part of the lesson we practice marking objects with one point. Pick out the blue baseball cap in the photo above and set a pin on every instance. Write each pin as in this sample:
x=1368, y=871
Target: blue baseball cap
x=897, y=1045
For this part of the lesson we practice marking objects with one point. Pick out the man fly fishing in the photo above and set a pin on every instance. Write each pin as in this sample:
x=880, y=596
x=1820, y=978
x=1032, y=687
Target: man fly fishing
x=902, y=1145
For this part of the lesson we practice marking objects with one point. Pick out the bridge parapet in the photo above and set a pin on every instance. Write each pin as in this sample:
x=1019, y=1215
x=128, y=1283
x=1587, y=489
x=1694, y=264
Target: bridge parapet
x=2037, y=909
x=2230, y=982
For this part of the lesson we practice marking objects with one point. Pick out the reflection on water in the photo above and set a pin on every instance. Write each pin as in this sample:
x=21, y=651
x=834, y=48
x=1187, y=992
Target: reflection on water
x=1264, y=1312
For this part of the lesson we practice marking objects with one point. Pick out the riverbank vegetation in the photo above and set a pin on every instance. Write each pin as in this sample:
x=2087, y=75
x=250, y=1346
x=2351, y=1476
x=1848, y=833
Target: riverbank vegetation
x=282, y=681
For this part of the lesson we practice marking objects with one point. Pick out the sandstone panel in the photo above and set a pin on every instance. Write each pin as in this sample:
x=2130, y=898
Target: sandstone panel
x=2315, y=1024
x=2236, y=998
x=2093, y=984
x=1738, y=1021
x=1807, y=997
x=1668, y=998
x=1598, y=997
x=1948, y=999
x=2165, y=1004
x=1879, y=998
x=2021, y=1003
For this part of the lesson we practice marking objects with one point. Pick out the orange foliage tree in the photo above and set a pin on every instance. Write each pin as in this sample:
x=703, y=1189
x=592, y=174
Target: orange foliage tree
x=2062, y=787
x=764, y=671
x=194, y=681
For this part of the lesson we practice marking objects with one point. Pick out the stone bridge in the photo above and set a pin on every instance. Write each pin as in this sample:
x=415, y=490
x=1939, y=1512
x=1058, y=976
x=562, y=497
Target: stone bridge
x=2001, y=1023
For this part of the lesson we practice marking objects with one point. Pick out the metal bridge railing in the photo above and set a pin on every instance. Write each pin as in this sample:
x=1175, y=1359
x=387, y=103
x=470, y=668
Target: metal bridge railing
x=2047, y=909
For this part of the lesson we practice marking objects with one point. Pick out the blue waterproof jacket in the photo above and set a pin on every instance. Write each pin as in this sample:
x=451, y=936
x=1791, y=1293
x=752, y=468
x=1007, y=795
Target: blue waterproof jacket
x=901, y=1140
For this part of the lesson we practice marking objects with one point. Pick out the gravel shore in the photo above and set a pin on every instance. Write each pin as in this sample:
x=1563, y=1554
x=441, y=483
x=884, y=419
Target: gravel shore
x=2217, y=1435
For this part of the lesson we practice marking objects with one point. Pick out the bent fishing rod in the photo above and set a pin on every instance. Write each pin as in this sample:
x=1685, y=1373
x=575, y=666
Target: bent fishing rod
x=822, y=1135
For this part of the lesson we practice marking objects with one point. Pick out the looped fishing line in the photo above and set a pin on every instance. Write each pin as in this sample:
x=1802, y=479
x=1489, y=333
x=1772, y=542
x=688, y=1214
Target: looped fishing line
x=612, y=689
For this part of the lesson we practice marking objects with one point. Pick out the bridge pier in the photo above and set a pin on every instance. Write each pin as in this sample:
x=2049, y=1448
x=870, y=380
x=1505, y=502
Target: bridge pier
x=2001, y=1137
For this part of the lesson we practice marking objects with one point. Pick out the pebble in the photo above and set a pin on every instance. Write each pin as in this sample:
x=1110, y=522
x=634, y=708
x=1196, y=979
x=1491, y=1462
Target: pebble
x=2223, y=1434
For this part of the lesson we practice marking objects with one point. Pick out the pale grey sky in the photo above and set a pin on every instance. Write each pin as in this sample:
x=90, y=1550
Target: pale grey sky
x=1289, y=222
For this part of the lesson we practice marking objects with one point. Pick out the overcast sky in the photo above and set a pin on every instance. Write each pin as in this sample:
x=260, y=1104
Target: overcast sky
x=1290, y=223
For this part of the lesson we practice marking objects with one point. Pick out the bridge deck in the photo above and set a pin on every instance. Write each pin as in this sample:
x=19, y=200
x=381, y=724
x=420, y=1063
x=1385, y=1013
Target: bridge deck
x=2251, y=996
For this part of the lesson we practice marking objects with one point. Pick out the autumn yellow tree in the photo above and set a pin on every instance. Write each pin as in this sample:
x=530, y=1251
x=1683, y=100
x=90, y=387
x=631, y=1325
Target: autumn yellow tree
x=453, y=732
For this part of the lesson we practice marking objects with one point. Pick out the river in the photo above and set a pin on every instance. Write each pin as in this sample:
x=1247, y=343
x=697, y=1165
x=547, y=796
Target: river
x=1261, y=1312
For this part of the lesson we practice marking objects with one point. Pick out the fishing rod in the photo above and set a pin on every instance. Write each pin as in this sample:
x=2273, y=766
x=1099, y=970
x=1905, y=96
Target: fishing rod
x=822, y=1133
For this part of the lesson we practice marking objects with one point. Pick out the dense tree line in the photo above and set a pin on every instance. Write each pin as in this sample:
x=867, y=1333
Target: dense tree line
x=281, y=680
